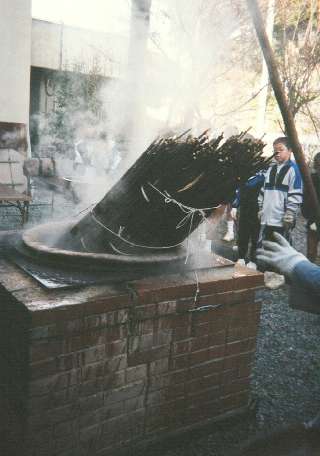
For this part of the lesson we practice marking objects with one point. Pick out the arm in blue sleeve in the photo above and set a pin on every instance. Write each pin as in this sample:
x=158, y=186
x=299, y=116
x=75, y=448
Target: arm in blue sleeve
x=295, y=190
x=306, y=275
x=256, y=180
x=252, y=182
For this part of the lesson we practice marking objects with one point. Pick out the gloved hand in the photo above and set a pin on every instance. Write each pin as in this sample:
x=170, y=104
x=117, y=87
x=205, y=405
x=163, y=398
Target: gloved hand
x=288, y=220
x=313, y=227
x=279, y=255
x=233, y=213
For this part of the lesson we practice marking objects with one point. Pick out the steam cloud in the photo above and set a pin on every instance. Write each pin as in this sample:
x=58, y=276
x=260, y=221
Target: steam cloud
x=169, y=88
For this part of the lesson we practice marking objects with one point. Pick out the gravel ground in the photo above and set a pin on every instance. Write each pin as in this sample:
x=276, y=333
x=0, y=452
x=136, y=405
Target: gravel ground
x=286, y=375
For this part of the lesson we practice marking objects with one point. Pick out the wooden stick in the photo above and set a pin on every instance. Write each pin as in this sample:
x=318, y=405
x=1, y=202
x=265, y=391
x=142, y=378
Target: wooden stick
x=284, y=107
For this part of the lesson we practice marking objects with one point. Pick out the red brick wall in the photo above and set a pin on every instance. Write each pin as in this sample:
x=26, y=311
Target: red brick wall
x=14, y=323
x=109, y=367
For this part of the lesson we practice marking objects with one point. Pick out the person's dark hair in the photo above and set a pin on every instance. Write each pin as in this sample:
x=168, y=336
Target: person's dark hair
x=283, y=140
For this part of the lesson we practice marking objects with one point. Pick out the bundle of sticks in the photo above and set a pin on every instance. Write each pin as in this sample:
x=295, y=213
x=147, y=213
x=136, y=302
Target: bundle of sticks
x=167, y=193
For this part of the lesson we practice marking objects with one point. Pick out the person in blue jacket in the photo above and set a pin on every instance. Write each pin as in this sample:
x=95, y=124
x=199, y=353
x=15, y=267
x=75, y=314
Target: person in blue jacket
x=313, y=237
x=281, y=195
x=282, y=257
x=246, y=201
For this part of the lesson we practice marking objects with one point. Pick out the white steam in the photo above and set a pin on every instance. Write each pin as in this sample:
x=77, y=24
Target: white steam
x=173, y=84
x=169, y=85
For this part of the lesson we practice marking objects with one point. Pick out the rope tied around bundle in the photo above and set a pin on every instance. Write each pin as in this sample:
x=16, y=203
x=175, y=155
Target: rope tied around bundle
x=189, y=211
x=188, y=218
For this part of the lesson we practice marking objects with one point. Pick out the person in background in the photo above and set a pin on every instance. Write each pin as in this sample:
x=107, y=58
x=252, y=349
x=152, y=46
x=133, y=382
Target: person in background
x=312, y=234
x=279, y=201
x=281, y=195
x=229, y=236
x=229, y=131
x=248, y=222
x=82, y=158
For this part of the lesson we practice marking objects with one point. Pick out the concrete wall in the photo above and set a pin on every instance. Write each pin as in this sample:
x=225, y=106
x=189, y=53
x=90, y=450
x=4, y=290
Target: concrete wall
x=15, y=44
x=25, y=42
x=56, y=46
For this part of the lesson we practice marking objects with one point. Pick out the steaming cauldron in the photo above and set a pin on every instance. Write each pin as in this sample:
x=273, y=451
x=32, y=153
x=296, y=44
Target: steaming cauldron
x=145, y=218
x=42, y=242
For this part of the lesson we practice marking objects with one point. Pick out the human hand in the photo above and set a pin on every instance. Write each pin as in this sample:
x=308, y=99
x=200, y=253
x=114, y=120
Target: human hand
x=288, y=220
x=313, y=227
x=279, y=255
x=259, y=214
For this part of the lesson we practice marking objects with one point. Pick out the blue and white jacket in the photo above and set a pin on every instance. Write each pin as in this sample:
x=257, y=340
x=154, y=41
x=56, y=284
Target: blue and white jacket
x=282, y=190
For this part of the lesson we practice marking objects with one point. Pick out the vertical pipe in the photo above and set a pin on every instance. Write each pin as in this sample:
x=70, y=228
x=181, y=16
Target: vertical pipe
x=139, y=33
x=61, y=46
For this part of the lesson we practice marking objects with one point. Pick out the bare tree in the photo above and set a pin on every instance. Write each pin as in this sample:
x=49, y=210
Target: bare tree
x=299, y=53
x=200, y=53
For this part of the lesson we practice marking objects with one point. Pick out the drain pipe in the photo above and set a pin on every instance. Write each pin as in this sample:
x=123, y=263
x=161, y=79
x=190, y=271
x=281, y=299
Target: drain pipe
x=284, y=107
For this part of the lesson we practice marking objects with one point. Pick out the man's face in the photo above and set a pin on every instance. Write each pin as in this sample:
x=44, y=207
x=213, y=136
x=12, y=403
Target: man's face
x=281, y=152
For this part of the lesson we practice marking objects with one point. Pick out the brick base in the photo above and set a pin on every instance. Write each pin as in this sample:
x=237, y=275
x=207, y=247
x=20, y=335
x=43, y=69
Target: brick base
x=96, y=370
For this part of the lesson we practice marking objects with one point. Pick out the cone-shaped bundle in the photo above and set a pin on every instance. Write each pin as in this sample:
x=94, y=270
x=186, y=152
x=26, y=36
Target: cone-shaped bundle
x=168, y=191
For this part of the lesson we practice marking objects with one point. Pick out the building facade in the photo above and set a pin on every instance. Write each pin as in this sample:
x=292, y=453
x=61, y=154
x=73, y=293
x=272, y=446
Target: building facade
x=33, y=51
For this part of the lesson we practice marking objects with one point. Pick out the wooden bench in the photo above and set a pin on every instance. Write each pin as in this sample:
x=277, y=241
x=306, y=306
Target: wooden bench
x=10, y=197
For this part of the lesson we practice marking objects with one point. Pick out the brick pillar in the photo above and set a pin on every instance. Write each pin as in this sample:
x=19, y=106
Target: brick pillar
x=105, y=368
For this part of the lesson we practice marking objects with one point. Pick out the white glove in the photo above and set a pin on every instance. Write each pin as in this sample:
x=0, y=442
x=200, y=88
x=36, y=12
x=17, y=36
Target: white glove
x=313, y=227
x=288, y=220
x=279, y=255
x=233, y=213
